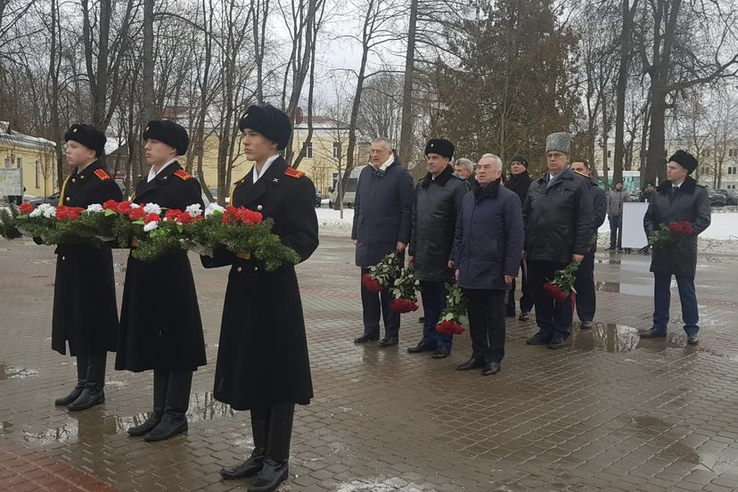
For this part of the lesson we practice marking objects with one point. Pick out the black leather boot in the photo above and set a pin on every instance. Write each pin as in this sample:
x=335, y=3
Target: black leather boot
x=82, y=365
x=93, y=393
x=253, y=465
x=173, y=421
x=276, y=467
x=161, y=379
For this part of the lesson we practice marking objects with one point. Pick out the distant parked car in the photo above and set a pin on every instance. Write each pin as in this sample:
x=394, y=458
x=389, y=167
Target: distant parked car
x=730, y=195
x=51, y=200
x=716, y=199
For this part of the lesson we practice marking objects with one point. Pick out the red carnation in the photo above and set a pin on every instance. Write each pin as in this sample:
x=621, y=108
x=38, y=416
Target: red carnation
x=403, y=306
x=371, y=284
x=249, y=216
x=151, y=218
x=172, y=214
x=683, y=228
x=26, y=208
x=68, y=213
x=231, y=214
x=136, y=213
x=554, y=291
x=449, y=328
x=125, y=208
x=111, y=205
x=184, y=218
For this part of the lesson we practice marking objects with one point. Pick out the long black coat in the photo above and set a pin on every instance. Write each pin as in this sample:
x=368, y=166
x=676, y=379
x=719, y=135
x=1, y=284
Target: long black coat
x=382, y=213
x=559, y=220
x=160, y=325
x=436, y=206
x=85, y=309
x=263, y=355
x=599, y=209
x=690, y=203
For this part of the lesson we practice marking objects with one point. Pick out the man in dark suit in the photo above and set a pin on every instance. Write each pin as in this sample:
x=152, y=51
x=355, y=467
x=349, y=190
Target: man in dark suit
x=85, y=310
x=382, y=224
x=519, y=182
x=586, y=301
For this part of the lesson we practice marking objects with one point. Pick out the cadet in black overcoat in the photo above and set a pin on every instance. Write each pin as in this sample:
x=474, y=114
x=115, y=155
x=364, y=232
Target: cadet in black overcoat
x=263, y=361
x=160, y=325
x=85, y=310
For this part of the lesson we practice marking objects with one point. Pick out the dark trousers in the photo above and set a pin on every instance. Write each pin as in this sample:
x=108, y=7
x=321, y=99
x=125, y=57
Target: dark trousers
x=586, y=301
x=172, y=391
x=662, y=300
x=553, y=318
x=526, y=299
x=271, y=427
x=616, y=231
x=91, y=371
x=376, y=304
x=486, y=309
x=433, y=295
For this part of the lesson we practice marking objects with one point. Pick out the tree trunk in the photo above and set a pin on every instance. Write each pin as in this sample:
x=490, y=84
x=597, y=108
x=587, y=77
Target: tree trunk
x=657, y=135
x=605, y=137
x=406, y=130
x=621, y=88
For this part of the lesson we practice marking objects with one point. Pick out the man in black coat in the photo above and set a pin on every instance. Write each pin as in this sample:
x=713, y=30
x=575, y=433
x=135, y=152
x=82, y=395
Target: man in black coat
x=382, y=224
x=85, y=311
x=437, y=201
x=586, y=301
x=559, y=226
x=263, y=363
x=678, y=199
x=519, y=182
x=160, y=325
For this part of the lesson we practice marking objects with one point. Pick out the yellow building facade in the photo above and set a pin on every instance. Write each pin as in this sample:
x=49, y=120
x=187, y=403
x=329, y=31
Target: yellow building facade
x=35, y=156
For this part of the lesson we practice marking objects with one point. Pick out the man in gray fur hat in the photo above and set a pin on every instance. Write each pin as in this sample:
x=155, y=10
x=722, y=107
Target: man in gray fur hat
x=559, y=223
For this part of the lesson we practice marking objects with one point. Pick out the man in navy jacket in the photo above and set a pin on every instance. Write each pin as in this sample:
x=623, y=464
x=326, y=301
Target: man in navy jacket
x=382, y=224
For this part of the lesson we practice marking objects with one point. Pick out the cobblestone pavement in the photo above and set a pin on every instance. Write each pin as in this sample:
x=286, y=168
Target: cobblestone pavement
x=610, y=412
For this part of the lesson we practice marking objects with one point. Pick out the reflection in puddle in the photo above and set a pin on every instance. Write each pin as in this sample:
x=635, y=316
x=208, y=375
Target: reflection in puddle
x=394, y=484
x=608, y=338
x=623, y=288
x=5, y=426
x=608, y=262
x=10, y=372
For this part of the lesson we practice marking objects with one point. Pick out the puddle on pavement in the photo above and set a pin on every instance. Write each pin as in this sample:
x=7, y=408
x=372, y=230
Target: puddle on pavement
x=5, y=426
x=203, y=406
x=393, y=484
x=625, y=288
x=119, y=267
x=11, y=372
x=608, y=338
x=609, y=261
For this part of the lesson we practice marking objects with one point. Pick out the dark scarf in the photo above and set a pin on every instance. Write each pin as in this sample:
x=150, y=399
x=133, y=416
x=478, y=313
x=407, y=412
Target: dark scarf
x=491, y=190
x=519, y=183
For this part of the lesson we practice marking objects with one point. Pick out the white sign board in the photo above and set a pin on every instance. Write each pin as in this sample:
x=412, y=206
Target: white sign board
x=633, y=234
x=11, y=182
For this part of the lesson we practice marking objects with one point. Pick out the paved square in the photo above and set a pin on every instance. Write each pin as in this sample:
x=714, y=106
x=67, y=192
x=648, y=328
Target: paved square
x=610, y=412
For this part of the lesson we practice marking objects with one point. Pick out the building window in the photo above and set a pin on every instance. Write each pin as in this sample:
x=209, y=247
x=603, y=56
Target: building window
x=732, y=170
x=733, y=153
x=609, y=154
x=309, y=150
x=19, y=161
x=336, y=150
x=8, y=161
x=38, y=175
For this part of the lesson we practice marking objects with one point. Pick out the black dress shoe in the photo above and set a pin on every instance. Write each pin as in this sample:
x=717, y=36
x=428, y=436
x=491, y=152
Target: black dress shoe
x=66, y=400
x=510, y=314
x=653, y=333
x=421, y=347
x=441, y=353
x=270, y=476
x=147, y=426
x=556, y=343
x=247, y=469
x=491, y=368
x=472, y=363
x=88, y=399
x=586, y=325
x=693, y=339
x=387, y=342
x=170, y=426
x=524, y=316
x=366, y=338
x=537, y=339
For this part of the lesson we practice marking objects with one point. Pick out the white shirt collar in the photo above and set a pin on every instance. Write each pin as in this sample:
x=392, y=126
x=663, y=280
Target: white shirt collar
x=387, y=163
x=257, y=175
x=153, y=172
x=674, y=185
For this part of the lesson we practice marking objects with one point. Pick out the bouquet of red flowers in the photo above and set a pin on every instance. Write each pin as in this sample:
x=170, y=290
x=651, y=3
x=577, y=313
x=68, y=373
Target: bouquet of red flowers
x=406, y=300
x=28, y=220
x=450, y=320
x=671, y=233
x=563, y=283
x=382, y=275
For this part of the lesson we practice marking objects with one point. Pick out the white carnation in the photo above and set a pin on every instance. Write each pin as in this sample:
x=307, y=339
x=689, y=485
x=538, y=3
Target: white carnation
x=94, y=207
x=152, y=208
x=151, y=226
x=194, y=210
x=50, y=212
x=213, y=207
x=36, y=212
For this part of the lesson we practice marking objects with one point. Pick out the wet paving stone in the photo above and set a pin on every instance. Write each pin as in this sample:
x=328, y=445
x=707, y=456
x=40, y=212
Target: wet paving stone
x=610, y=412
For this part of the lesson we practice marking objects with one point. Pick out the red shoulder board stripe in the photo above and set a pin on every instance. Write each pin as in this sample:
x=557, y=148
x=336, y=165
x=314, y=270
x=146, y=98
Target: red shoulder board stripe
x=180, y=173
x=100, y=173
x=294, y=173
